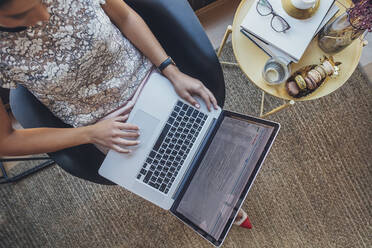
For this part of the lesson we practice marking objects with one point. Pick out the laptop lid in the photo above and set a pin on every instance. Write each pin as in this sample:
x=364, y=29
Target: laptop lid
x=223, y=174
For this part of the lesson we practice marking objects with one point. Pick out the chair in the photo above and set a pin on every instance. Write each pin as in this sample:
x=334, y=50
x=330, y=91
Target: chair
x=179, y=31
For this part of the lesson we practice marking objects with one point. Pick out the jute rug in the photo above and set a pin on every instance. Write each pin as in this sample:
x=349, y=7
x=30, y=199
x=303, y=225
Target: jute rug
x=314, y=189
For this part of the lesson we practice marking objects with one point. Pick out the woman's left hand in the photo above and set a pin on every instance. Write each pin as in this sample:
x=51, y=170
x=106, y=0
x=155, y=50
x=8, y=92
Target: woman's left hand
x=187, y=86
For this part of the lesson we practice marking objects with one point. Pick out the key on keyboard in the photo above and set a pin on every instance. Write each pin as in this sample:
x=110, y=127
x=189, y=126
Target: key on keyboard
x=172, y=147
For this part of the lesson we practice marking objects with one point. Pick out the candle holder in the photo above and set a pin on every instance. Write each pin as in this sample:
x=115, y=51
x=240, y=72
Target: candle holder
x=276, y=71
x=302, y=10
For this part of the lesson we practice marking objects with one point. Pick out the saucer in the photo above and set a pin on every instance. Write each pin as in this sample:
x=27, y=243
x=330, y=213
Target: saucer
x=299, y=13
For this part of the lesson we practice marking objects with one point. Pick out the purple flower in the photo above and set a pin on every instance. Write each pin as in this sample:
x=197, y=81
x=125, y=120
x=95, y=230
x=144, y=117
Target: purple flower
x=360, y=15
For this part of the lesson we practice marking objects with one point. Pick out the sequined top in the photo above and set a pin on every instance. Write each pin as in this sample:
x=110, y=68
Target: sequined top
x=78, y=64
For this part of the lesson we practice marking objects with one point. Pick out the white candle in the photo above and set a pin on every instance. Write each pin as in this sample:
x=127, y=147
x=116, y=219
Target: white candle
x=272, y=75
x=303, y=4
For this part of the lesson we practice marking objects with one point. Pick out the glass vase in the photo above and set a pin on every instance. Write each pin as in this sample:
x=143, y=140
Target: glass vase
x=337, y=35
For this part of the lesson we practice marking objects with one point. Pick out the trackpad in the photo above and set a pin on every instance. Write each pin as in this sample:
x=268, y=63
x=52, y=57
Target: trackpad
x=147, y=124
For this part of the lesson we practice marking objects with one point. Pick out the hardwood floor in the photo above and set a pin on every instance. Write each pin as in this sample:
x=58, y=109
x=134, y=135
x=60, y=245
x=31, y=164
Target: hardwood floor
x=197, y=4
x=216, y=17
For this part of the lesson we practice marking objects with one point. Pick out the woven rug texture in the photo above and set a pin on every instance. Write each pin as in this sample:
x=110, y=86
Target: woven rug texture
x=314, y=189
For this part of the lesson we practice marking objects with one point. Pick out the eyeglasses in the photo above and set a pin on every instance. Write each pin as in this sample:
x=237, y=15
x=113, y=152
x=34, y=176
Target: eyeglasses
x=277, y=23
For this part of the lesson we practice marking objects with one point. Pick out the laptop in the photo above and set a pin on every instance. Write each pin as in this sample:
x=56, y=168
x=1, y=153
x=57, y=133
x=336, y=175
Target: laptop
x=197, y=164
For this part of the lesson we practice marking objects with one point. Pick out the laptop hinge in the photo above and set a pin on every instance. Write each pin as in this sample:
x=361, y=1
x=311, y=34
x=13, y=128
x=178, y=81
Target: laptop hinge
x=195, y=159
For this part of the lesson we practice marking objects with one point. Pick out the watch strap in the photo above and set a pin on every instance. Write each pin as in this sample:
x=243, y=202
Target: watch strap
x=166, y=62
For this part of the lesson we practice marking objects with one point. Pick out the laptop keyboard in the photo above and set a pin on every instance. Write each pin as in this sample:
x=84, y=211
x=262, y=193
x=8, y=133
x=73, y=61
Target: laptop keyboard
x=172, y=147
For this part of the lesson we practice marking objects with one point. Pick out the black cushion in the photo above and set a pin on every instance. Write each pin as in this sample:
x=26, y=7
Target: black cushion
x=4, y=95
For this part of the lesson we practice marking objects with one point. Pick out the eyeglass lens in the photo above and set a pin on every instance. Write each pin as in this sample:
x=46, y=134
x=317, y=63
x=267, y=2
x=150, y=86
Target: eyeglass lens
x=264, y=8
x=279, y=24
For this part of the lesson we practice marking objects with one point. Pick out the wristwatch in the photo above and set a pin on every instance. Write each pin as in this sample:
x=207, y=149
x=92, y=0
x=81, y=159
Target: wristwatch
x=166, y=62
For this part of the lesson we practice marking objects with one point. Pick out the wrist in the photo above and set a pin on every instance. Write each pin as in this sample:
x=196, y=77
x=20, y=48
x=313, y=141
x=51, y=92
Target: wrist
x=87, y=134
x=171, y=72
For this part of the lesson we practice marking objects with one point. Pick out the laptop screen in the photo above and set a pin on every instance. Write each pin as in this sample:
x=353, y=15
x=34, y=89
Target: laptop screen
x=219, y=185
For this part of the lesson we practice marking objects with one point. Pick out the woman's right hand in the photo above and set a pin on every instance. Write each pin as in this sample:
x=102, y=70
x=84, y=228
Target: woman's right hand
x=114, y=133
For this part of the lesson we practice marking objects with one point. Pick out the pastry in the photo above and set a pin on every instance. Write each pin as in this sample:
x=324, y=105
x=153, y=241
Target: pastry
x=321, y=70
x=328, y=67
x=320, y=76
x=300, y=82
x=311, y=78
x=292, y=88
x=315, y=83
x=309, y=83
x=315, y=76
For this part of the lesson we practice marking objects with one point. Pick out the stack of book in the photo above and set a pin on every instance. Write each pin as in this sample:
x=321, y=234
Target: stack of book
x=292, y=43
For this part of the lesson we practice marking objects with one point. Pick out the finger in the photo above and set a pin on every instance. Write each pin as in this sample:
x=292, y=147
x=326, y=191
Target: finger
x=203, y=94
x=120, y=149
x=122, y=118
x=127, y=126
x=122, y=134
x=212, y=98
x=125, y=142
x=191, y=100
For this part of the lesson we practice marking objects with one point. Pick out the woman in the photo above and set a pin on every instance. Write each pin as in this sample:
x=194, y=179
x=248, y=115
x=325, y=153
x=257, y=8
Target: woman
x=87, y=62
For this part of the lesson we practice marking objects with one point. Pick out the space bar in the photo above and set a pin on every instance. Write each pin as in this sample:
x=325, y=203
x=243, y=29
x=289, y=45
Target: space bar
x=162, y=136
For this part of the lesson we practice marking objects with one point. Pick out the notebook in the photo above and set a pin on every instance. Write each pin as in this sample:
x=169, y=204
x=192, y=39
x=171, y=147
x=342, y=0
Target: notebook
x=295, y=40
x=272, y=51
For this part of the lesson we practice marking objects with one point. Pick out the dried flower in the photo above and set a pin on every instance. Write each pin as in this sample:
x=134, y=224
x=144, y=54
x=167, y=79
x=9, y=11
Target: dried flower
x=360, y=15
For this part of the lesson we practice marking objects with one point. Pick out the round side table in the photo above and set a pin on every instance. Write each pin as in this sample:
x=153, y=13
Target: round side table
x=246, y=51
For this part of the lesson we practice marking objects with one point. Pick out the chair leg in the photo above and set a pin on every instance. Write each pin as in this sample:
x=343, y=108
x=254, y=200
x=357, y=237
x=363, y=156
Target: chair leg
x=6, y=179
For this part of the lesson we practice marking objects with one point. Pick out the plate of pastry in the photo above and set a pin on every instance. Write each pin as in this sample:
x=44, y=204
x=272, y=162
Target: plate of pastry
x=309, y=79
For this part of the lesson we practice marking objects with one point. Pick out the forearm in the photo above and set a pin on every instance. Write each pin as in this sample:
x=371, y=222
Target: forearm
x=42, y=140
x=137, y=31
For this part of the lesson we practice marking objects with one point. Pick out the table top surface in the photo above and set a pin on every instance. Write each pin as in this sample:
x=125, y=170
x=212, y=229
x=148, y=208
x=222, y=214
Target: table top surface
x=252, y=59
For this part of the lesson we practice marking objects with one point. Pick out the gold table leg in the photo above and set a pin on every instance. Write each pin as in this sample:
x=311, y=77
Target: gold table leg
x=262, y=103
x=223, y=43
x=228, y=63
x=284, y=106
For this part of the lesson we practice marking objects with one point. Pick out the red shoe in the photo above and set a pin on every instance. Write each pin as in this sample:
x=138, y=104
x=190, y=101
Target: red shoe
x=244, y=221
